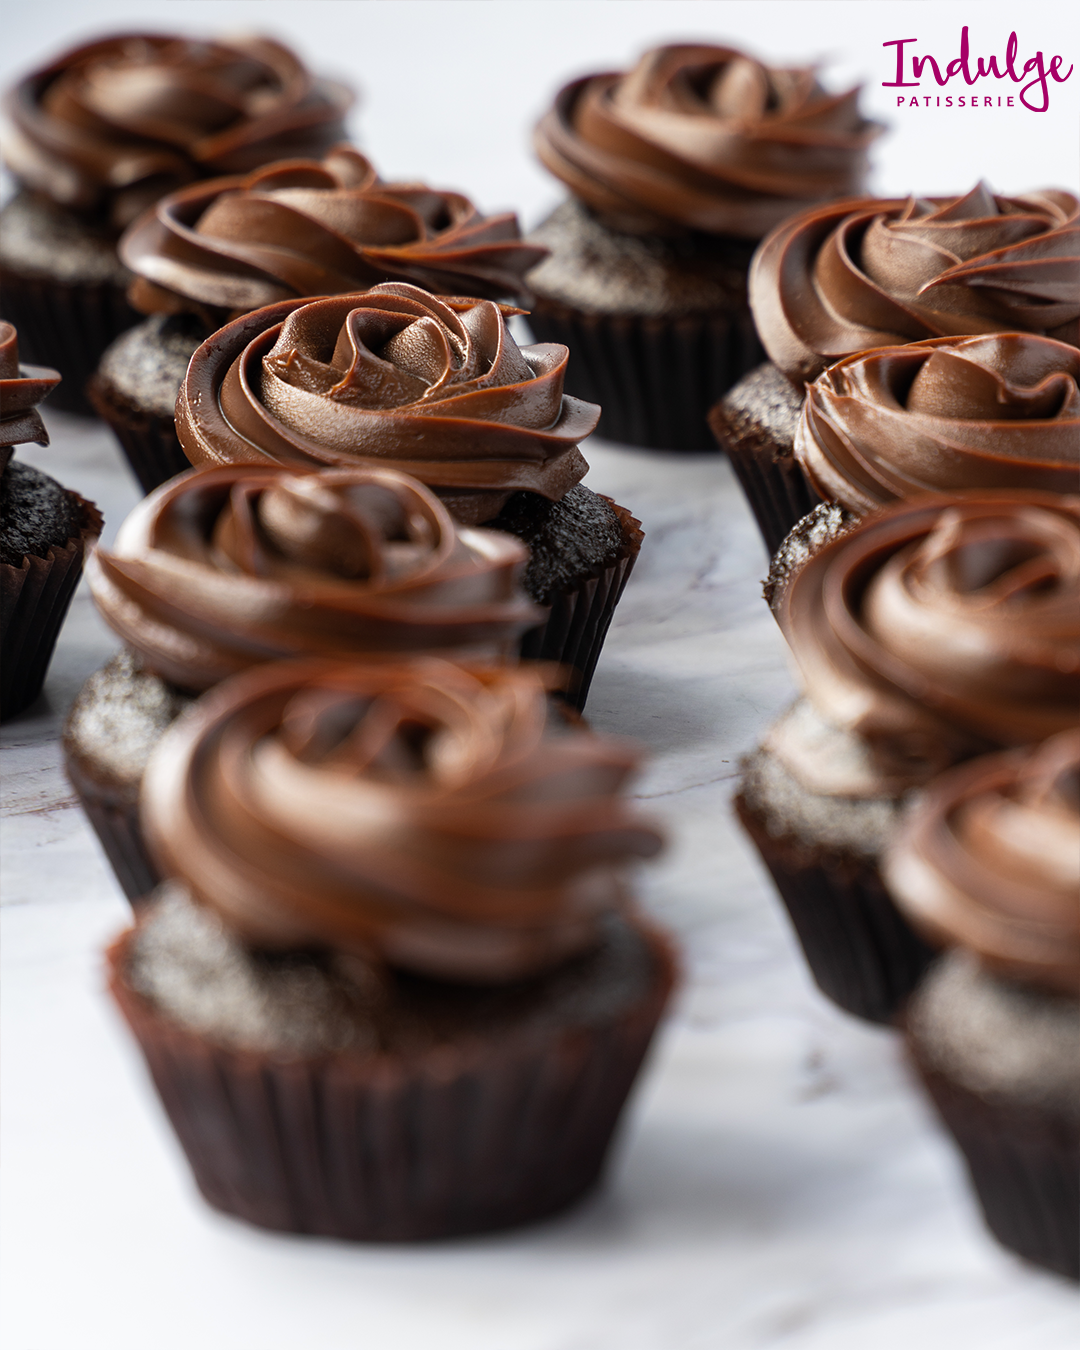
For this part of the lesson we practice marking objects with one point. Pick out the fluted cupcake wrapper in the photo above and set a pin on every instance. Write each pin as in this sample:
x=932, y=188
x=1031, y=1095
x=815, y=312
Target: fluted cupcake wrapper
x=67, y=326
x=861, y=951
x=113, y=813
x=655, y=379
x=464, y=1138
x=1024, y=1165
x=34, y=599
x=149, y=442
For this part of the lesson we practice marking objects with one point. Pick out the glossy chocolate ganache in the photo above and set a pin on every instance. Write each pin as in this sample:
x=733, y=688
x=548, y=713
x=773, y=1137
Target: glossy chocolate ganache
x=316, y=227
x=112, y=125
x=225, y=568
x=438, y=387
x=943, y=627
x=22, y=388
x=704, y=138
x=994, y=411
x=448, y=820
x=875, y=272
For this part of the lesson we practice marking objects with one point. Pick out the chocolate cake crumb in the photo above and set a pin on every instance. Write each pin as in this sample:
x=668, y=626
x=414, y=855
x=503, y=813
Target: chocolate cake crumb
x=824, y=524
x=568, y=539
x=763, y=408
x=36, y=514
x=147, y=364
x=38, y=237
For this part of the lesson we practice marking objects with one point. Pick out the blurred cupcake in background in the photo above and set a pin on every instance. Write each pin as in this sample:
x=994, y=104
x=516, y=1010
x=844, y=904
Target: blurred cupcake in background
x=100, y=133
x=676, y=170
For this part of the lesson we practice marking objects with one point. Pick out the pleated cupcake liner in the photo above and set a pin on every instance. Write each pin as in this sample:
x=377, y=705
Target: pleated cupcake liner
x=1024, y=1165
x=67, y=326
x=655, y=379
x=861, y=951
x=149, y=442
x=113, y=812
x=34, y=600
x=777, y=491
x=467, y=1138
x=578, y=622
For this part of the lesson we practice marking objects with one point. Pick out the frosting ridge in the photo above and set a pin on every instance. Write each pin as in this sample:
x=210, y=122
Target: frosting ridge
x=22, y=388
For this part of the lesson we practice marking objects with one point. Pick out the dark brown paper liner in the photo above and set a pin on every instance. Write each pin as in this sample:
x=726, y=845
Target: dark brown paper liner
x=66, y=326
x=655, y=379
x=149, y=442
x=580, y=618
x=34, y=599
x=1024, y=1165
x=861, y=951
x=776, y=489
x=466, y=1138
x=113, y=812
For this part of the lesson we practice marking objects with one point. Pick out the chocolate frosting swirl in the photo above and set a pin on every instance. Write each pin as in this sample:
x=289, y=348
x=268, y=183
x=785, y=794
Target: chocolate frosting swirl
x=221, y=569
x=1001, y=411
x=877, y=272
x=22, y=388
x=112, y=125
x=447, y=820
x=316, y=227
x=989, y=858
x=438, y=387
x=943, y=626
x=704, y=138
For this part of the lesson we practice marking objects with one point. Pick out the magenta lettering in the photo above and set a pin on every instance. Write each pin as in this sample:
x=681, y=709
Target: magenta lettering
x=1033, y=74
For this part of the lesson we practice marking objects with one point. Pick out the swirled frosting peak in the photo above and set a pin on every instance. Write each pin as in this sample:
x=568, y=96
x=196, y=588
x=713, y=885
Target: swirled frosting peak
x=994, y=411
x=316, y=227
x=842, y=278
x=704, y=138
x=22, y=388
x=944, y=626
x=990, y=858
x=448, y=820
x=112, y=125
x=225, y=568
x=437, y=386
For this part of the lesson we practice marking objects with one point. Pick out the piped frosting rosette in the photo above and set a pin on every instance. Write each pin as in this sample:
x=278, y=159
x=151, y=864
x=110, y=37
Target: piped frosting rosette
x=225, y=568
x=22, y=388
x=990, y=859
x=705, y=138
x=436, y=386
x=948, y=414
x=112, y=125
x=316, y=227
x=451, y=821
x=943, y=627
x=875, y=272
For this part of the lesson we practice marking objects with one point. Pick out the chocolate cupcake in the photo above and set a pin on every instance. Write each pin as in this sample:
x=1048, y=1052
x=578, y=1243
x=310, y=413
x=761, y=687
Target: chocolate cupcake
x=239, y=565
x=210, y=253
x=44, y=533
x=676, y=169
x=100, y=133
x=440, y=389
x=989, y=863
x=410, y=998
x=933, y=631
x=840, y=279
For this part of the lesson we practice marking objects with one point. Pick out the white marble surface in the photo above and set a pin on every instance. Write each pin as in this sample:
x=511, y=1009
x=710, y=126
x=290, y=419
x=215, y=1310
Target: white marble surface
x=779, y=1181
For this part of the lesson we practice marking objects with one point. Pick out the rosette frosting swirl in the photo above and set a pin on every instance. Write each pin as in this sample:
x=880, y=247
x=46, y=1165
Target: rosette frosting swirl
x=438, y=387
x=110, y=126
x=876, y=272
x=990, y=858
x=311, y=227
x=225, y=568
x=22, y=388
x=704, y=138
x=1000, y=411
x=447, y=820
x=942, y=627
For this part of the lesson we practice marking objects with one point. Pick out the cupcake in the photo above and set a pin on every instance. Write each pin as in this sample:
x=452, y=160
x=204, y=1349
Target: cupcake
x=231, y=567
x=440, y=389
x=838, y=280
x=99, y=134
x=931, y=632
x=989, y=864
x=211, y=252
x=676, y=170
x=394, y=990
x=44, y=533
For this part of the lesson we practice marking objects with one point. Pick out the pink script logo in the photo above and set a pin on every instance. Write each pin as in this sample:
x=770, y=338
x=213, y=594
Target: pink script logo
x=1035, y=95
